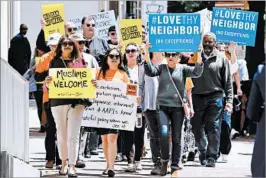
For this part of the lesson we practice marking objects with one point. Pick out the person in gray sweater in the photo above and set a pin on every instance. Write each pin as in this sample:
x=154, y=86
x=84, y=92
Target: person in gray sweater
x=172, y=77
x=208, y=93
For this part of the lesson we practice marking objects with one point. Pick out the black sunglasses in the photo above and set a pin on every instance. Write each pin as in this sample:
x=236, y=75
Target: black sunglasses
x=130, y=51
x=114, y=56
x=113, y=33
x=81, y=42
x=171, y=54
x=72, y=29
x=67, y=43
x=24, y=28
x=90, y=25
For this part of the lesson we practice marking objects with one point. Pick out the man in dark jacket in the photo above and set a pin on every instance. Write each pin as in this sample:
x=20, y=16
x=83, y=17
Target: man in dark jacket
x=19, y=53
x=208, y=93
x=256, y=112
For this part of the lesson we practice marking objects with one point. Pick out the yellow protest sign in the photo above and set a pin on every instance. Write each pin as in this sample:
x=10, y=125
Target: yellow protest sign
x=130, y=31
x=72, y=83
x=53, y=15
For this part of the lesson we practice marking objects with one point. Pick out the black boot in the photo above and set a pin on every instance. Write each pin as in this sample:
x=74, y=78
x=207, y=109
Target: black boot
x=164, y=168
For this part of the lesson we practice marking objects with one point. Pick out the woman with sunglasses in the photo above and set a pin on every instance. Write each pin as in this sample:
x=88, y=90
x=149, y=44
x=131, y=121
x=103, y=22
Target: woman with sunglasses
x=67, y=113
x=111, y=70
x=132, y=61
x=170, y=100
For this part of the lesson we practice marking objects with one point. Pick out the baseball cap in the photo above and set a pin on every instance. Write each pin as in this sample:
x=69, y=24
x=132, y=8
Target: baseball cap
x=111, y=29
x=77, y=37
x=54, y=38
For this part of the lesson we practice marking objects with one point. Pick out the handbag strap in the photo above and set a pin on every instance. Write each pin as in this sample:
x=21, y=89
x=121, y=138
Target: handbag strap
x=171, y=78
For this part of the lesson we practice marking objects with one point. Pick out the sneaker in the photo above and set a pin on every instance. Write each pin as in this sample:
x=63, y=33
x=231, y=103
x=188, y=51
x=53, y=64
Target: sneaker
x=224, y=158
x=210, y=162
x=157, y=168
x=94, y=152
x=138, y=166
x=202, y=158
x=131, y=168
x=234, y=134
x=87, y=155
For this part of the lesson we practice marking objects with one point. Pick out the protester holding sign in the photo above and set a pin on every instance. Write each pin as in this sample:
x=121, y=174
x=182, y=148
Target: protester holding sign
x=148, y=91
x=67, y=112
x=208, y=93
x=111, y=70
x=132, y=63
x=172, y=103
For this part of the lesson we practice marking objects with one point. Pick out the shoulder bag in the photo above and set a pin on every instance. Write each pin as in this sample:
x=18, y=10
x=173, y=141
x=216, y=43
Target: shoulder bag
x=184, y=105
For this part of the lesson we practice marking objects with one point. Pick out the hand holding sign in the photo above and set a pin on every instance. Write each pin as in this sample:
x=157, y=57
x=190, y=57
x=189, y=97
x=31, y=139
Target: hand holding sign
x=233, y=45
x=48, y=79
x=43, y=22
x=199, y=58
x=146, y=56
x=94, y=83
x=138, y=100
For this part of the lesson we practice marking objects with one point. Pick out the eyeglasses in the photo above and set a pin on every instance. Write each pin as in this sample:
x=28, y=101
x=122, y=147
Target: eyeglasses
x=130, y=51
x=112, y=56
x=81, y=42
x=67, y=43
x=24, y=28
x=171, y=55
x=113, y=33
x=90, y=25
x=72, y=29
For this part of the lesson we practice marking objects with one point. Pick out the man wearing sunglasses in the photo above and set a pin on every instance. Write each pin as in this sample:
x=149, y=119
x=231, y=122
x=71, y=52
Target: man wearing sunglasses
x=19, y=53
x=70, y=28
x=208, y=97
x=97, y=45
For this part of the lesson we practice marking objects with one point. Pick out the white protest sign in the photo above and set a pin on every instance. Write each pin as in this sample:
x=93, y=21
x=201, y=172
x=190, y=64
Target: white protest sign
x=115, y=106
x=103, y=20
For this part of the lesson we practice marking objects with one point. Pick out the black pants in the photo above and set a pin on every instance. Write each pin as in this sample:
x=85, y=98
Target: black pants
x=152, y=118
x=206, y=123
x=50, y=139
x=38, y=99
x=174, y=115
x=137, y=138
x=120, y=142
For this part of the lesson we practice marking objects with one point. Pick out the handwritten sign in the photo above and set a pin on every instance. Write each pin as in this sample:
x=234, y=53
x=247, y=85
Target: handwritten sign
x=130, y=31
x=103, y=21
x=115, y=106
x=234, y=25
x=53, y=15
x=71, y=83
x=174, y=32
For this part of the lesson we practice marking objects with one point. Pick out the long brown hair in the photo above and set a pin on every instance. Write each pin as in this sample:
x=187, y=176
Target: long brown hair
x=75, y=54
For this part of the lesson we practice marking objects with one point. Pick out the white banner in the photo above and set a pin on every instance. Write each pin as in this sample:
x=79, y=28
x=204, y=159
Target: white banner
x=115, y=106
x=103, y=20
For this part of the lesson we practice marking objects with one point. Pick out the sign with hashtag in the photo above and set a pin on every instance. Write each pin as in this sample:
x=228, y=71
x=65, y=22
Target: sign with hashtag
x=234, y=25
x=174, y=32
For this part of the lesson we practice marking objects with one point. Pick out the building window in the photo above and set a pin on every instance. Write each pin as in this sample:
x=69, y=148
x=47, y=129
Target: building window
x=114, y=5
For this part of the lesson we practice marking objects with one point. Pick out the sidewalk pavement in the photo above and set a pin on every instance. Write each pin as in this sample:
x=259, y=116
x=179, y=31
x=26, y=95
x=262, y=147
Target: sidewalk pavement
x=237, y=166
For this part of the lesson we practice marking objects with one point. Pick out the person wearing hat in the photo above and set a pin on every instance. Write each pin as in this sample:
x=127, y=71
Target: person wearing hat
x=113, y=41
x=90, y=62
x=42, y=69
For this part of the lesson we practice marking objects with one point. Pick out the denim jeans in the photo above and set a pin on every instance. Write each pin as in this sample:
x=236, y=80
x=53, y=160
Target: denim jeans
x=207, y=121
x=174, y=115
x=152, y=118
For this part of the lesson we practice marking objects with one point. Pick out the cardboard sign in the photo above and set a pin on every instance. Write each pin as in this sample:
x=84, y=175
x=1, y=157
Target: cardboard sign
x=103, y=20
x=130, y=31
x=234, y=25
x=53, y=15
x=115, y=106
x=71, y=83
x=174, y=32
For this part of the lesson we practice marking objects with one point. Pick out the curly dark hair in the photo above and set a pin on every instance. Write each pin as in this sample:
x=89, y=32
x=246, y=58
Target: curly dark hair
x=75, y=54
x=105, y=66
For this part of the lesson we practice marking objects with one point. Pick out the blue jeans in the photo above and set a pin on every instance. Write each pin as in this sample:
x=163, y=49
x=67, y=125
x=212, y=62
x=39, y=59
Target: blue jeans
x=206, y=123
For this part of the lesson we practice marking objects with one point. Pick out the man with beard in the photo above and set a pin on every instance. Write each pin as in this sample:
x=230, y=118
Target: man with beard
x=19, y=53
x=208, y=92
x=97, y=45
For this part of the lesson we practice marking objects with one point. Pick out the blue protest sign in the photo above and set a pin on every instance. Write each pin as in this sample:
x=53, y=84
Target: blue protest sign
x=234, y=25
x=174, y=32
